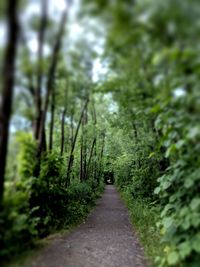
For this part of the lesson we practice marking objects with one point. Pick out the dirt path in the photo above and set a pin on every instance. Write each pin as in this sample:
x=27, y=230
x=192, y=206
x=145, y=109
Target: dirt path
x=104, y=240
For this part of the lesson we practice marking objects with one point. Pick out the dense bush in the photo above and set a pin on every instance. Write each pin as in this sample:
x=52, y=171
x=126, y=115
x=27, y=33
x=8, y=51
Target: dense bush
x=180, y=185
x=136, y=169
x=18, y=229
x=27, y=155
x=34, y=207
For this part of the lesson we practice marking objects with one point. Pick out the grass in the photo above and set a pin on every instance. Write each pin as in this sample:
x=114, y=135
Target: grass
x=144, y=218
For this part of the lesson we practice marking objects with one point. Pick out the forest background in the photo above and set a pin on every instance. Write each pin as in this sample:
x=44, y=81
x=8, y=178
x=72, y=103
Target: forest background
x=101, y=86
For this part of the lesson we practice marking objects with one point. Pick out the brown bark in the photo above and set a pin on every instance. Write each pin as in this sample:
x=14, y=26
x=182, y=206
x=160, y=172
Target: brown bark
x=38, y=100
x=81, y=159
x=50, y=77
x=101, y=156
x=52, y=119
x=71, y=157
x=84, y=135
x=8, y=78
x=62, y=132
x=94, y=116
x=62, y=144
x=90, y=158
x=72, y=127
x=135, y=131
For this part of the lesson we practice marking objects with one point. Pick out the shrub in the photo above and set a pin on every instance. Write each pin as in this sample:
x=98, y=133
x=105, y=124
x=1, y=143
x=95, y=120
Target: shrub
x=17, y=228
x=27, y=157
x=179, y=188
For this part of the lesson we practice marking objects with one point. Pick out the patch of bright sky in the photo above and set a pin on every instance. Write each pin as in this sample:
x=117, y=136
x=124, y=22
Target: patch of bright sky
x=98, y=70
x=113, y=106
x=34, y=9
x=19, y=123
x=158, y=79
x=76, y=29
x=2, y=34
x=33, y=46
x=56, y=7
x=144, y=17
x=179, y=92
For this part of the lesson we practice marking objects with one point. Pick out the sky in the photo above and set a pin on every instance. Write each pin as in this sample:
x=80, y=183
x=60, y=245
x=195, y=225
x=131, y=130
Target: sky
x=76, y=30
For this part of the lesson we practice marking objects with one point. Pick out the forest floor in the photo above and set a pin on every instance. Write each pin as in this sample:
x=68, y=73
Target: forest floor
x=105, y=239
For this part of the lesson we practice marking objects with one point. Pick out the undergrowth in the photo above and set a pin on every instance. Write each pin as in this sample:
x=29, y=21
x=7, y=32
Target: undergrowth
x=35, y=207
x=144, y=217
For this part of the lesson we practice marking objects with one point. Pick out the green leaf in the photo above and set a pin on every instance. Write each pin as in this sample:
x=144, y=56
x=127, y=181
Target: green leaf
x=195, y=203
x=185, y=249
x=170, y=150
x=167, y=222
x=157, y=190
x=188, y=183
x=151, y=155
x=173, y=258
x=196, y=243
x=166, y=185
x=180, y=143
x=195, y=219
x=194, y=131
x=186, y=224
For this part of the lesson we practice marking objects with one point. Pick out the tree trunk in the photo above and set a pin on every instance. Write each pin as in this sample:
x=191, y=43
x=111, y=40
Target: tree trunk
x=101, y=157
x=95, y=145
x=62, y=144
x=85, y=121
x=81, y=159
x=90, y=158
x=50, y=77
x=8, y=86
x=71, y=157
x=38, y=100
x=52, y=119
x=135, y=131
x=62, y=132
x=95, y=161
x=72, y=127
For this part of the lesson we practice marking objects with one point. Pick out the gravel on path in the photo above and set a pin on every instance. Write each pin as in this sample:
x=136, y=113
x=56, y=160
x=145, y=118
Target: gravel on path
x=105, y=239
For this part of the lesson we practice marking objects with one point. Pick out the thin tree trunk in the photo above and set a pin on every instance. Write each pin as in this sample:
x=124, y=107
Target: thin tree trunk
x=95, y=145
x=62, y=131
x=41, y=35
x=52, y=119
x=85, y=121
x=62, y=144
x=8, y=86
x=135, y=131
x=90, y=158
x=71, y=157
x=50, y=77
x=101, y=157
x=81, y=159
x=95, y=160
x=72, y=127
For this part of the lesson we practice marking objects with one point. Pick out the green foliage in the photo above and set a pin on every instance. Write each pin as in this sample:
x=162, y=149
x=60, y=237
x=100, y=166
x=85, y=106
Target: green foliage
x=144, y=216
x=179, y=187
x=134, y=163
x=27, y=157
x=35, y=207
x=154, y=58
x=58, y=206
x=152, y=136
x=17, y=228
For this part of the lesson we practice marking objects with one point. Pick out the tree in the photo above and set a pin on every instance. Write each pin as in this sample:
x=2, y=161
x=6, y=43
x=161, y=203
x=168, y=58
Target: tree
x=8, y=85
